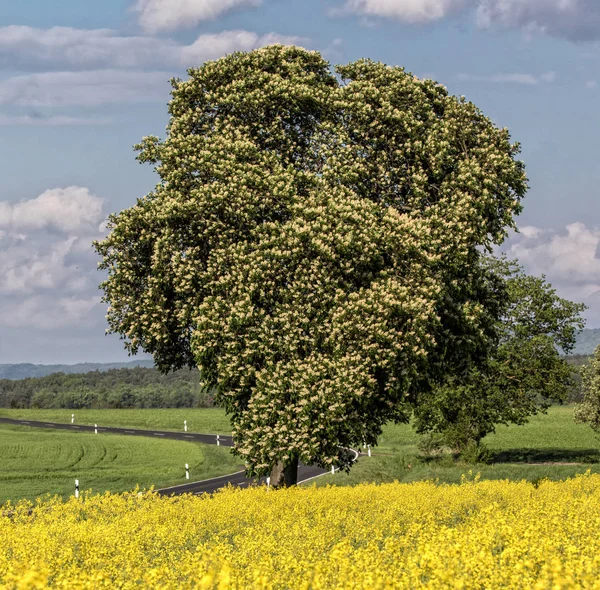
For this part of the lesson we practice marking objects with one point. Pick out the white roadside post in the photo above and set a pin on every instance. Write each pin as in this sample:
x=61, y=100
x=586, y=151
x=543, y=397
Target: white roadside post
x=72, y=418
x=369, y=450
x=332, y=470
x=187, y=471
x=218, y=442
x=268, y=482
x=95, y=429
x=364, y=444
x=77, y=488
x=185, y=426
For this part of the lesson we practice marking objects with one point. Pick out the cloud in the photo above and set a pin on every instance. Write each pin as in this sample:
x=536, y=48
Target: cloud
x=69, y=210
x=24, y=48
x=33, y=264
x=590, y=84
x=89, y=89
x=213, y=46
x=53, y=121
x=527, y=79
x=50, y=306
x=29, y=49
x=48, y=275
x=575, y=20
x=570, y=259
x=409, y=11
x=169, y=15
x=44, y=312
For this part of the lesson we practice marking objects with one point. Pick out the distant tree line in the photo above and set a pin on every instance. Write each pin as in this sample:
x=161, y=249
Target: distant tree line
x=117, y=388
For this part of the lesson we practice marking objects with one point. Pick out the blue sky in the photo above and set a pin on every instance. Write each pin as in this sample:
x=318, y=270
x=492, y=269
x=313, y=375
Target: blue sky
x=81, y=82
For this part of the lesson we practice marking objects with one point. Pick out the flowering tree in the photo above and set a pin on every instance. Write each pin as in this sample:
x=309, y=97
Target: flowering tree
x=311, y=246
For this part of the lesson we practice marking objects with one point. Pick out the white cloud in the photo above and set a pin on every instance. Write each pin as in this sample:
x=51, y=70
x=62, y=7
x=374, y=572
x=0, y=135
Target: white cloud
x=591, y=84
x=70, y=210
x=45, y=312
x=409, y=11
x=48, y=268
x=30, y=49
x=52, y=121
x=60, y=89
x=214, y=46
x=515, y=78
x=169, y=15
x=530, y=231
x=33, y=265
x=569, y=258
x=576, y=20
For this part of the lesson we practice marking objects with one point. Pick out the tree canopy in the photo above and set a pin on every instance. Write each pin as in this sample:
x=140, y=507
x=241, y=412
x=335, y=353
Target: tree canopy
x=524, y=373
x=313, y=246
x=588, y=411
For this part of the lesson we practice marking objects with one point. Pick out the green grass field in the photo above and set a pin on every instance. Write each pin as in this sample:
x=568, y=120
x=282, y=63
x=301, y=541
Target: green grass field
x=550, y=445
x=203, y=420
x=35, y=462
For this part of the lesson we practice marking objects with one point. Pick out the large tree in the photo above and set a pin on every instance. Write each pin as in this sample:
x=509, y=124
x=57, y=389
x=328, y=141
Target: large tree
x=524, y=372
x=312, y=246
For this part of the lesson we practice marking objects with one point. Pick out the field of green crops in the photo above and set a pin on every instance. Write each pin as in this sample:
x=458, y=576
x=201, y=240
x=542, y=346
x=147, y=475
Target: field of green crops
x=34, y=462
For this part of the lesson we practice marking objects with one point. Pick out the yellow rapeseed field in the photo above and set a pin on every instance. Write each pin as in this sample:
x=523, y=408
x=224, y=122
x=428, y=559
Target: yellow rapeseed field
x=480, y=534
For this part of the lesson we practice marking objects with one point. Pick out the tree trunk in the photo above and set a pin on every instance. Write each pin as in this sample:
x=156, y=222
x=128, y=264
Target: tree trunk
x=283, y=476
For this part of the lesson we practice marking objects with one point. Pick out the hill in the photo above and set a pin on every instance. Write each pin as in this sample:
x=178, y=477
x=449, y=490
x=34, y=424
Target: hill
x=587, y=341
x=26, y=370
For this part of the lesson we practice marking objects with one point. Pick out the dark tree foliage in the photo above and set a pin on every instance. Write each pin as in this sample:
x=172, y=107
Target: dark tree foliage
x=523, y=373
x=116, y=388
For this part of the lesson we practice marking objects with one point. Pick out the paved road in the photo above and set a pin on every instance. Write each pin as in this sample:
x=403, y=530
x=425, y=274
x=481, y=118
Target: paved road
x=305, y=472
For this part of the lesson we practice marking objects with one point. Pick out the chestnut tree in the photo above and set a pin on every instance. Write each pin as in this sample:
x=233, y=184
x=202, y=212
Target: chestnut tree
x=312, y=246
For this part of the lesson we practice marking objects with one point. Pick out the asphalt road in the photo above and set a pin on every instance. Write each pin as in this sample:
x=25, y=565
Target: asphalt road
x=305, y=472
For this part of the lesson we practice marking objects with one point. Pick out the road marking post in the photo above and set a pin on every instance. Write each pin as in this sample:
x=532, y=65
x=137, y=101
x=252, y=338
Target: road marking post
x=332, y=470
x=369, y=451
x=364, y=444
x=218, y=442
x=72, y=418
x=95, y=429
x=187, y=471
x=268, y=482
x=185, y=426
x=77, y=488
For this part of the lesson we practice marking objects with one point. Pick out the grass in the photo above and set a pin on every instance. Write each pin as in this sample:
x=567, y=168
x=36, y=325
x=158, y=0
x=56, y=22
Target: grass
x=35, y=462
x=203, y=420
x=543, y=448
x=540, y=449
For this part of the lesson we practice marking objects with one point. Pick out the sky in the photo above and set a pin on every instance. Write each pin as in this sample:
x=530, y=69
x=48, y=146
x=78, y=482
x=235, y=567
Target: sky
x=82, y=82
